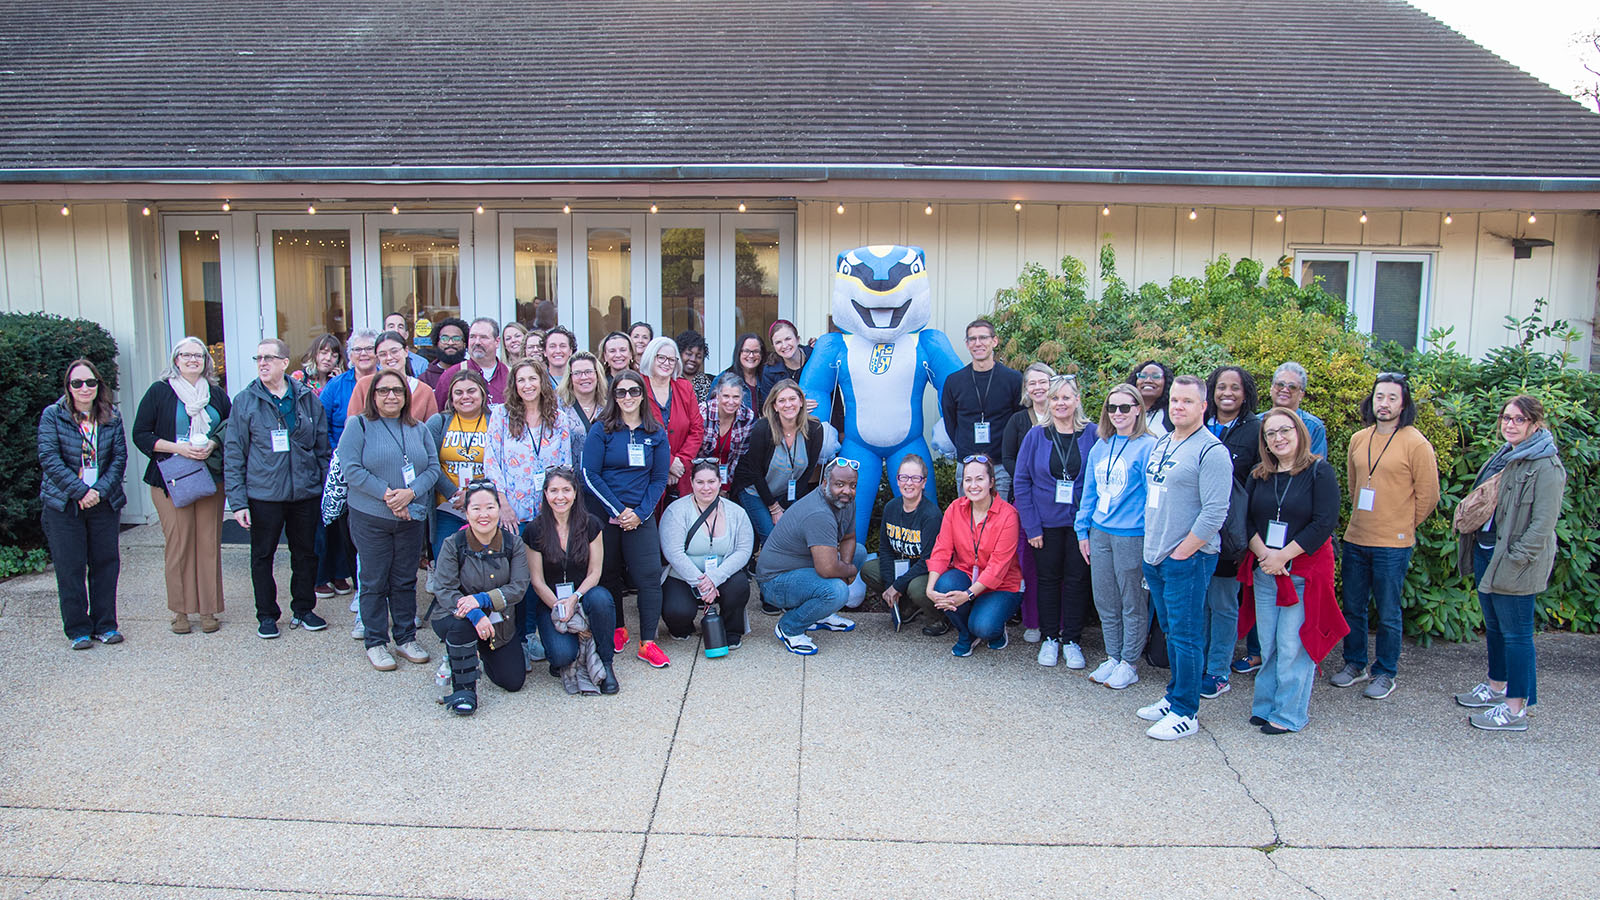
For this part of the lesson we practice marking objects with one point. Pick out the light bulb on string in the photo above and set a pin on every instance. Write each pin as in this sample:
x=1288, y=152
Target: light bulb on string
x=394, y=210
x=1017, y=207
x=1449, y=219
x=1532, y=218
x=839, y=209
x=652, y=207
x=65, y=211
x=311, y=209
x=741, y=207
x=928, y=210
x=480, y=209
x=145, y=211
x=226, y=206
x=1105, y=210
x=1363, y=218
x=566, y=208
x=1193, y=214
x=1278, y=217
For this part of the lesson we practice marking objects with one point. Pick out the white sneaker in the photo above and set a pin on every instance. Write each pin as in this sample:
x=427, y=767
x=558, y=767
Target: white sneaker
x=355, y=605
x=1155, y=711
x=1049, y=652
x=1031, y=635
x=1173, y=726
x=380, y=658
x=411, y=651
x=1122, y=676
x=1103, y=671
x=834, y=622
x=1074, y=655
x=358, y=631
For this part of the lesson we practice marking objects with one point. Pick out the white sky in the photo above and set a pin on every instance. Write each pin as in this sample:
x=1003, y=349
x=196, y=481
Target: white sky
x=1534, y=35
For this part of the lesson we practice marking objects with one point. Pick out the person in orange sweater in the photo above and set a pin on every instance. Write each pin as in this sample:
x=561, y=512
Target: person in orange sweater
x=1393, y=478
x=974, y=572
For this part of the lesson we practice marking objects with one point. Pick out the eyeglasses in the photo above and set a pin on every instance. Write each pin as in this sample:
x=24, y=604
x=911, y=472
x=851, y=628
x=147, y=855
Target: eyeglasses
x=663, y=358
x=1392, y=376
x=266, y=356
x=367, y=349
x=1287, y=386
x=1150, y=376
x=977, y=338
x=976, y=457
x=389, y=390
x=190, y=355
x=628, y=392
x=480, y=483
x=1120, y=407
x=1273, y=434
x=80, y=383
x=750, y=352
x=843, y=463
x=1513, y=420
x=452, y=340
x=911, y=479
x=1063, y=379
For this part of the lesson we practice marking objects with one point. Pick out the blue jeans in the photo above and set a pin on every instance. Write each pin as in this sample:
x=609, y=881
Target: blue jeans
x=1222, y=625
x=760, y=516
x=1508, y=626
x=984, y=618
x=808, y=597
x=1178, y=591
x=1377, y=574
x=1283, y=686
x=561, y=648
x=444, y=525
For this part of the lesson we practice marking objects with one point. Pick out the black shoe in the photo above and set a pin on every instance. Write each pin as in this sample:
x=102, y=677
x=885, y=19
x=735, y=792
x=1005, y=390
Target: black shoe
x=609, y=685
x=935, y=629
x=268, y=629
x=463, y=702
x=310, y=621
x=1257, y=721
x=769, y=609
x=1270, y=728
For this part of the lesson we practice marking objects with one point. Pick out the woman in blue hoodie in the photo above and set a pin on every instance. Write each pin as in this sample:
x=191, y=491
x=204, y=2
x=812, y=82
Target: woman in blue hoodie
x=1048, y=484
x=1110, y=525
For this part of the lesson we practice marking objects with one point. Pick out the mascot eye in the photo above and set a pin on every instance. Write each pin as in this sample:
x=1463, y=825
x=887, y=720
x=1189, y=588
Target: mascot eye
x=916, y=267
x=844, y=267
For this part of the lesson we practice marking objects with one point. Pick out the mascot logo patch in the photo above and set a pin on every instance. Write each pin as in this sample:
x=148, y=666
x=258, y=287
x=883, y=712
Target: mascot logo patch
x=882, y=354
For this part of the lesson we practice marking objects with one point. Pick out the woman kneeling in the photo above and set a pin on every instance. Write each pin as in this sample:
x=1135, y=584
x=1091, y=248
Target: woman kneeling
x=478, y=581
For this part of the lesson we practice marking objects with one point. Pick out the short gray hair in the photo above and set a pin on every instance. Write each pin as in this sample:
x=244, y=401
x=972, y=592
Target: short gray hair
x=361, y=334
x=647, y=362
x=1293, y=368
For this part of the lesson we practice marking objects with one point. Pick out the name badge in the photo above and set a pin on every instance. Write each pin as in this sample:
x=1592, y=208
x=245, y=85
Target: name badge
x=563, y=590
x=538, y=482
x=901, y=567
x=1152, y=496
x=1063, y=490
x=980, y=432
x=1102, y=504
x=974, y=574
x=89, y=475
x=711, y=563
x=463, y=473
x=280, y=440
x=791, y=490
x=1365, y=498
x=408, y=474
x=722, y=472
x=1277, y=534
x=635, y=454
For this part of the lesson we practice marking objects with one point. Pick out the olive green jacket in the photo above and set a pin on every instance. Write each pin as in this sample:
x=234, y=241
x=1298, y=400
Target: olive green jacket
x=1525, y=519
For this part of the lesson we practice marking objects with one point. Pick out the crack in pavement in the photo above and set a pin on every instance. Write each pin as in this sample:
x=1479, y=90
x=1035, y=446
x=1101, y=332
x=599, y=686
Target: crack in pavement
x=666, y=766
x=799, y=768
x=1272, y=818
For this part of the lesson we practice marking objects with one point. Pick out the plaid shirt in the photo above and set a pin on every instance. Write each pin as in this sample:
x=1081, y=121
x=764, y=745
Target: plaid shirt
x=738, y=436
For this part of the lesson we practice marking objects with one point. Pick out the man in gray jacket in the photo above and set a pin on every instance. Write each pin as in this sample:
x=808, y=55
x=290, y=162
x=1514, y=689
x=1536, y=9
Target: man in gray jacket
x=1188, y=483
x=275, y=458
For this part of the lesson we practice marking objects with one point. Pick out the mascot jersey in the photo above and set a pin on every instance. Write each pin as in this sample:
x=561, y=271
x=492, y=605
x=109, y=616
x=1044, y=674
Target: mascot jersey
x=881, y=362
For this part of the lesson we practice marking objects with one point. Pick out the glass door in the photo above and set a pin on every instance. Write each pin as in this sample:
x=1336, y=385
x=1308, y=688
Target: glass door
x=536, y=270
x=757, y=271
x=311, y=267
x=607, y=282
x=202, y=295
x=683, y=275
x=423, y=267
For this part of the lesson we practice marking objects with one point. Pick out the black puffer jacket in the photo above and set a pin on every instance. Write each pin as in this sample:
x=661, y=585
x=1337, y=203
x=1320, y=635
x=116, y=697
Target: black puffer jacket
x=61, y=453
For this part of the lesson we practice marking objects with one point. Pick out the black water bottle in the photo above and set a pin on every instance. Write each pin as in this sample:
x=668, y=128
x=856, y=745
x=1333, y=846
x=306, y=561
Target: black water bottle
x=713, y=636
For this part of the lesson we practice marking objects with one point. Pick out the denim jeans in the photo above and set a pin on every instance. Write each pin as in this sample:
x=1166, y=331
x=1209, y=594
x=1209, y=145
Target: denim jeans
x=760, y=515
x=984, y=618
x=1508, y=626
x=1375, y=574
x=444, y=525
x=560, y=648
x=808, y=597
x=1283, y=686
x=1222, y=625
x=1178, y=591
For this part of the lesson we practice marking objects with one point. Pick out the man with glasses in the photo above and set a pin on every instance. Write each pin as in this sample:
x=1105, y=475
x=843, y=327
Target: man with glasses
x=899, y=570
x=979, y=400
x=811, y=558
x=1393, y=478
x=483, y=349
x=396, y=322
x=390, y=348
x=362, y=350
x=450, y=335
x=275, y=457
x=1289, y=384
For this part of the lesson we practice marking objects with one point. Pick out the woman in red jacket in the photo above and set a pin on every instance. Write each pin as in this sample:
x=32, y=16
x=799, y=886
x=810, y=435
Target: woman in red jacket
x=973, y=570
x=675, y=405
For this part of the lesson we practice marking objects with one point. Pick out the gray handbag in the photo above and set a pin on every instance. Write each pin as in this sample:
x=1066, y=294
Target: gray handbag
x=187, y=480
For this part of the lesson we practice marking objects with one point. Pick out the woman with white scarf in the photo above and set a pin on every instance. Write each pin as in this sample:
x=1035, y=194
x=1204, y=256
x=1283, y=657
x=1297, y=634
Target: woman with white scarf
x=182, y=415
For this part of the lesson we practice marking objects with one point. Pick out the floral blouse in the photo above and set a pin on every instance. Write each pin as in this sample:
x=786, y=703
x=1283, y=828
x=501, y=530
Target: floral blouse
x=517, y=464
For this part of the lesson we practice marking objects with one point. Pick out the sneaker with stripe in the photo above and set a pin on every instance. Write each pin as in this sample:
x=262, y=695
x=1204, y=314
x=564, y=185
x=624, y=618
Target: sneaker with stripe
x=1173, y=726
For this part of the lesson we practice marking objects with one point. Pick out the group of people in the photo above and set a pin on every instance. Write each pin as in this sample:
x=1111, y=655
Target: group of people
x=542, y=485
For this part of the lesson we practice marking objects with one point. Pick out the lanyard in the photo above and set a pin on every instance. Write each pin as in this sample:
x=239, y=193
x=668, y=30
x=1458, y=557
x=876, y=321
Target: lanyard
x=1280, y=497
x=977, y=533
x=1111, y=464
x=89, y=430
x=788, y=448
x=535, y=435
x=983, y=395
x=398, y=441
x=1066, y=455
x=1373, y=466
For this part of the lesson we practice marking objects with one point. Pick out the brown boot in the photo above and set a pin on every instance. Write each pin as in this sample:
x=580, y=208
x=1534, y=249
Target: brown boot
x=180, y=623
x=209, y=623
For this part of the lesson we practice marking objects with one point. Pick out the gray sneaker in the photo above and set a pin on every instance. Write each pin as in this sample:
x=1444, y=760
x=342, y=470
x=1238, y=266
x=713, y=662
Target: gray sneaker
x=1499, y=718
x=1349, y=675
x=1481, y=697
x=1381, y=687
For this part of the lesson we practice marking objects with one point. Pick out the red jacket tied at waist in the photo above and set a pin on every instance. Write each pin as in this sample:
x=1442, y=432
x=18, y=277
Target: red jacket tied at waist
x=1325, y=625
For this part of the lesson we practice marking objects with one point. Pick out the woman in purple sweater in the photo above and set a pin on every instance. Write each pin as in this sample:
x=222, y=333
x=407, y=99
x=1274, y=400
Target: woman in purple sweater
x=1048, y=484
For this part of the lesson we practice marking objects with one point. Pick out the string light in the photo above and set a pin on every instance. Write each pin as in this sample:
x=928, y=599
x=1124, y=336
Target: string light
x=1449, y=219
x=394, y=210
x=226, y=206
x=741, y=207
x=145, y=211
x=1105, y=210
x=1532, y=218
x=928, y=210
x=1363, y=217
x=839, y=209
x=65, y=211
x=1017, y=207
x=311, y=209
x=652, y=207
x=480, y=209
x=1193, y=214
x=1278, y=217
x=566, y=207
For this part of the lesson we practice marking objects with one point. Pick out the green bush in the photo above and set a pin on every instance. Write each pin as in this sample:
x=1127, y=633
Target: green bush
x=17, y=561
x=1257, y=317
x=34, y=352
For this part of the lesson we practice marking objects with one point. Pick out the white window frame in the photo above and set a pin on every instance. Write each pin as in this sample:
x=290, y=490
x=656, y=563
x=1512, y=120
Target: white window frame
x=1361, y=287
x=371, y=307
x=711, y=223
x=241, y=316
x=352, y=223
x=638, y=276
x=722, y=348
x=566, y=311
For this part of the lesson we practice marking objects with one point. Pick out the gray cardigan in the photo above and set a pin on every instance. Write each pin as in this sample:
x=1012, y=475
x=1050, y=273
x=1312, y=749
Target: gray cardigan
x=738, y=542
x=370, y=460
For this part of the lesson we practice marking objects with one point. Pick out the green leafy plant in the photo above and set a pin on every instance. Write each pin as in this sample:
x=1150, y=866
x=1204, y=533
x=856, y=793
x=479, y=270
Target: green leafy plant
x=17, y=561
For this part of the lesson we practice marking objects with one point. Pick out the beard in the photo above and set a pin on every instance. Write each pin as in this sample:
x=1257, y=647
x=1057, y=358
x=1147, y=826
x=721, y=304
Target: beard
x=451, y=357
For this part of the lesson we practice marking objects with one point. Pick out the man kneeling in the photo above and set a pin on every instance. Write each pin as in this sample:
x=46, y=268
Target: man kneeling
x=810, y=559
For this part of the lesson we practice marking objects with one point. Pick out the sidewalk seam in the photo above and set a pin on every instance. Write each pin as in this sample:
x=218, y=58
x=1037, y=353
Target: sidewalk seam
x=666, y=766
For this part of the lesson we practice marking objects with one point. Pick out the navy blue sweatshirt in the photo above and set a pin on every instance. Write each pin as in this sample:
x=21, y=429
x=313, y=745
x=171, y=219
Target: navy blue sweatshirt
x=616, y=484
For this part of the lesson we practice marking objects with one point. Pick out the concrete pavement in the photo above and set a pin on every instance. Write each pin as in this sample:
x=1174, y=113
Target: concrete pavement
x=224, y=766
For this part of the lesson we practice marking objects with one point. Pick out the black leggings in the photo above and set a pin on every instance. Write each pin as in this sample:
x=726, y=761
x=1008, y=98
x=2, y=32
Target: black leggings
x=680, y=604
x=639, y=552
x=505, y=666
x=1064, y=587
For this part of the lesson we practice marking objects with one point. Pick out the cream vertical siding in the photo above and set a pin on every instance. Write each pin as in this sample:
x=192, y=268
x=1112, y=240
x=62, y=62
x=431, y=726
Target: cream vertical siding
x=977, y=249
x=84, y=265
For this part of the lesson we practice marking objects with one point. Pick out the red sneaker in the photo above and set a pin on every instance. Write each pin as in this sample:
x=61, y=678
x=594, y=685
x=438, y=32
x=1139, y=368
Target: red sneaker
x=650, y=653
x=620, y=639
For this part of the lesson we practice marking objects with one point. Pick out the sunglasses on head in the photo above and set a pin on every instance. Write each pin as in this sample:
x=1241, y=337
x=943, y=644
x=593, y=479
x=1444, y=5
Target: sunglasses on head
x=976, y=457
x=77, y=383
x=843, y=463
x=480, y=483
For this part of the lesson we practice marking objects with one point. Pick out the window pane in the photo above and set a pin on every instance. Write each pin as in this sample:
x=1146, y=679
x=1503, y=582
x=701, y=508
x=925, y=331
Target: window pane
x=683, y=280
x=200, y=259
x=1335, y=275
x=535, y=288
x=755, y=276
x=421, y=272
x=1396, y=302
x=311, y=281
x=610, y=282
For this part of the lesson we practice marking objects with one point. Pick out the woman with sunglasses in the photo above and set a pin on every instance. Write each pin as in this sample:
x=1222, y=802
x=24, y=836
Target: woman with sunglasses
x=182, y=414
x=479, y=579
x=781, y=465
x=973, y=569
x=1049, y=486
x=748, y=354
x=391, y=465
x=673, y=403
x=460, y=432
x=566, y=552
x=625, y=471
x=727, y=424
x=83, y=454
x=707, y=540
x=1035, y=411
x=1110, y=528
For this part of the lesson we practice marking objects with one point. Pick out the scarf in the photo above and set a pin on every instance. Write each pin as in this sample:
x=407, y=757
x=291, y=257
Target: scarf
x=195, y=398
